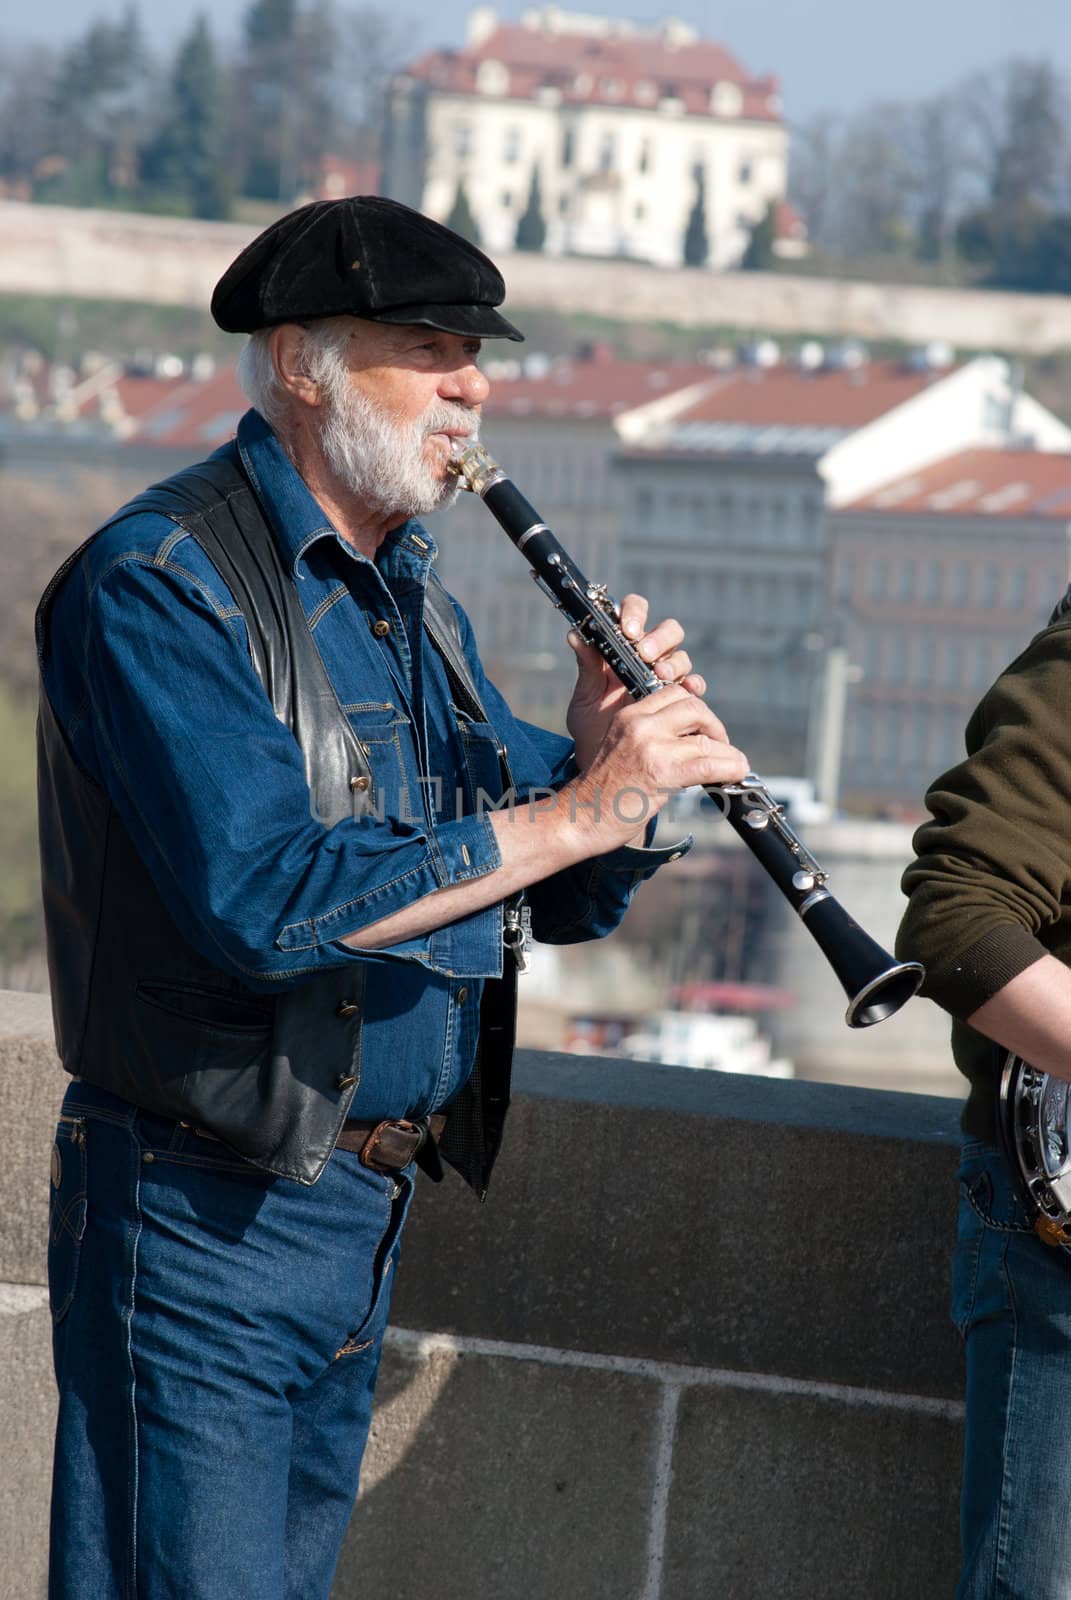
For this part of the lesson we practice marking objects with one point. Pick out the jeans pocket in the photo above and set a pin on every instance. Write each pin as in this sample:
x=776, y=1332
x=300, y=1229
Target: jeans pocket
x=965, y=1258
x=67, y=1213
x=991, y=1215
x=372, y=1327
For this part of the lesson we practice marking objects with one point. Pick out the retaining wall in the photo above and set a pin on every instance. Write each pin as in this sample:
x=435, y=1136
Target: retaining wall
x=693, y=1347
x=109, y=255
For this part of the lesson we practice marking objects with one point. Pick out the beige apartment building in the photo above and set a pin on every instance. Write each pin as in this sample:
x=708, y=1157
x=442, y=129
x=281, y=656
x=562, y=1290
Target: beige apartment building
x=939, y=578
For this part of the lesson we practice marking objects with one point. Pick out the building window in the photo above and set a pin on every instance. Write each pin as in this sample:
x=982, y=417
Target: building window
x=845, y=581
x=492, y=77
x=1017, y=589
x=897, y=657
x=507, y=199
x=644, y=504
x=646, y=92
x=744, y=172
x=606, y=152
x=511, y=146
x=563, y=205
x=462, y=139
x=726, y=509
x=568, y=146
x=726, y=100
x=643, y=163
x=905, y=582
x=953, y=666
x=877, y=580
x=989, y=587
x=931, y=588
x=960, y=585
x=640, y=211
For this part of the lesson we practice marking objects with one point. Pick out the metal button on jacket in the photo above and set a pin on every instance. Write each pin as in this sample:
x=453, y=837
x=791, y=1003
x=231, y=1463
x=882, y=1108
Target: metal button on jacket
x=381, y=628
x=347, y=1008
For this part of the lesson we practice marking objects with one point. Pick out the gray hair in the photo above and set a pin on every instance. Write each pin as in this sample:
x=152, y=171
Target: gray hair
x=321, y=353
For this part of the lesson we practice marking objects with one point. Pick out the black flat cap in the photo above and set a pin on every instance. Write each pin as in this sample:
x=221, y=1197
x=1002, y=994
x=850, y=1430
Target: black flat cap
x=363, y=257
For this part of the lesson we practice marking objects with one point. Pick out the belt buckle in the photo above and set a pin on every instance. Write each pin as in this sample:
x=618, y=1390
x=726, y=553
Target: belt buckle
x=369, y=1149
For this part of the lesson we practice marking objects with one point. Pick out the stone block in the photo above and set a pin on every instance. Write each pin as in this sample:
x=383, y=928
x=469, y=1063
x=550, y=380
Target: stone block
x=32, y=1084
x=805, y=1497
x=28, y=1407
x=493, y=1478
x=722, y=1224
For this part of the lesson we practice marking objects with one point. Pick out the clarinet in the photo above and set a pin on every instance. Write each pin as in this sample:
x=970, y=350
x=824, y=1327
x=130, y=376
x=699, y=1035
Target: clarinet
x=876, y=984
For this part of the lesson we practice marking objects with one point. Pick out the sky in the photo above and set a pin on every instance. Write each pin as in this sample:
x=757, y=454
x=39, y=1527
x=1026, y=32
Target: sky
x=831, y=55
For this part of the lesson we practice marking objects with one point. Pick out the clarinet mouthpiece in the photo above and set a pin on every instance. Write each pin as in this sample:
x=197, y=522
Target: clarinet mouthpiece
x=475, y=466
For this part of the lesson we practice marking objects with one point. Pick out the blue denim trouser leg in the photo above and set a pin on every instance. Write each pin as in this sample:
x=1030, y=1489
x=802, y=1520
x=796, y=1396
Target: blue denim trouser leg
x=216, y=1336
x=1011, y=1300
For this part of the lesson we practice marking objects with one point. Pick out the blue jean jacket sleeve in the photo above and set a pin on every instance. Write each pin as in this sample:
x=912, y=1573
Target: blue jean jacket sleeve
x=212, y=789
x=589, y=899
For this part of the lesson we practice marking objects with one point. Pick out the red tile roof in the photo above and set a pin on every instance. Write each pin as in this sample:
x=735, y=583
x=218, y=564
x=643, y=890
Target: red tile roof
x=786, y=396
x=594, y=389
x=613, y=69
x=183, y=413
x=197, y=415
x=995, y=483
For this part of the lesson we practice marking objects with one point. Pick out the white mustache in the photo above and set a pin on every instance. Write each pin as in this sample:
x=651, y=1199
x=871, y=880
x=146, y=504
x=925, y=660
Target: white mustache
x=446, y=418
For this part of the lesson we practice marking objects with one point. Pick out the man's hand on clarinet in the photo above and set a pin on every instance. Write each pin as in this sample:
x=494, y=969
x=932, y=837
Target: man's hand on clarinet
x=647, y=748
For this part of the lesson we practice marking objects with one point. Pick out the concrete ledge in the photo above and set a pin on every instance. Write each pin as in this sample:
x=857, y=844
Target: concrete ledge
x=694, y=1345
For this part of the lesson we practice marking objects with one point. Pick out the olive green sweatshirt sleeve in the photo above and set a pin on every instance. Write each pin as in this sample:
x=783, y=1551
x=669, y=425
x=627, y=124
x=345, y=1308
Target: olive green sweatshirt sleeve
x=992, y=876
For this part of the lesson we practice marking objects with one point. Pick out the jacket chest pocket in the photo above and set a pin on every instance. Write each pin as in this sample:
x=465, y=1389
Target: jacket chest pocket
x=382, y=732
x=485, y=785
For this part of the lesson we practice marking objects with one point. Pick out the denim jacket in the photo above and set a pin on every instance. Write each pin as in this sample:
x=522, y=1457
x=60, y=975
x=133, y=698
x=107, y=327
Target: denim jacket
x=150, y=680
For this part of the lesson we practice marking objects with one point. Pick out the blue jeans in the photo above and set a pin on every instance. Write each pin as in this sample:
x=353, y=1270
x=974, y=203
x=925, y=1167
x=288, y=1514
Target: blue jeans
x=216, y=1337
x=1011, y=1301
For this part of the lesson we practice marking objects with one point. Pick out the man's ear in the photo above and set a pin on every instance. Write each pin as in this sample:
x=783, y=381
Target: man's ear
x=288, y=353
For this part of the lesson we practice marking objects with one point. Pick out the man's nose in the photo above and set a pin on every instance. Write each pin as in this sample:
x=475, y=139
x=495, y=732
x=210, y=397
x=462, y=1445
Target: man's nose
x=466, y=384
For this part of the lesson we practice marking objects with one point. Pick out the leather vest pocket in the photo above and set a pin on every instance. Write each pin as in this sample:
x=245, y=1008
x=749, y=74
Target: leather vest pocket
x=203, y=1006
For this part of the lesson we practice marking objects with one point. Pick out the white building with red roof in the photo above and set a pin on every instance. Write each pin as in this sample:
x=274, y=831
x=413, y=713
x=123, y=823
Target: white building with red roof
x=620, y=122
x=725, y=510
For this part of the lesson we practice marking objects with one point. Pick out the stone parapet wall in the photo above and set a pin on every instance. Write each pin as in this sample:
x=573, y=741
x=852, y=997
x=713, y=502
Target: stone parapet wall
x=694, y=1344
x=126, y=256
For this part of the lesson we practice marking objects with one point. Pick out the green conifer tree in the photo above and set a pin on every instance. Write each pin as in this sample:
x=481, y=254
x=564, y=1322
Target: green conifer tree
x=186, y=159
x=461, y=219
x=531, y=226
x=759, y=255
x=696, y=245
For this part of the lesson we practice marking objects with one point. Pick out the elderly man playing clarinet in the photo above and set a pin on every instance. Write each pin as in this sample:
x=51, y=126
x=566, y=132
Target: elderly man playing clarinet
x=281, y=952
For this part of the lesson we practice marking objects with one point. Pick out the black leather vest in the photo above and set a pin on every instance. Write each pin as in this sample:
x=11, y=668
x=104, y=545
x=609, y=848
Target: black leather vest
x=137, y=1009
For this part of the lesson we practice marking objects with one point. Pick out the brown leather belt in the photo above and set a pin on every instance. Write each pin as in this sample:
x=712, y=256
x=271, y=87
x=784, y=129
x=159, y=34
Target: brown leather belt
x=390, y=1145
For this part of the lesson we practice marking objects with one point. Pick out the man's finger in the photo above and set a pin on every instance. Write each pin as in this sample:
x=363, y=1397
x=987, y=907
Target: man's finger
x=633, y=612
x=674, y=668
x=661, y=641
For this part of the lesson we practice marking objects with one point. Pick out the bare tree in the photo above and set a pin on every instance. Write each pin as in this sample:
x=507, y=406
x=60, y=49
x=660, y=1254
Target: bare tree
x=813, y=155
x=372, y=44
x=872, y=201
x=27, y=72
x=1018, y=123
x=937, y=156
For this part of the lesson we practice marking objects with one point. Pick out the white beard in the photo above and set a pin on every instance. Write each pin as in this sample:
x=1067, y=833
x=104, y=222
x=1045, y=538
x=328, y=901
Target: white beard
x=383, y=463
